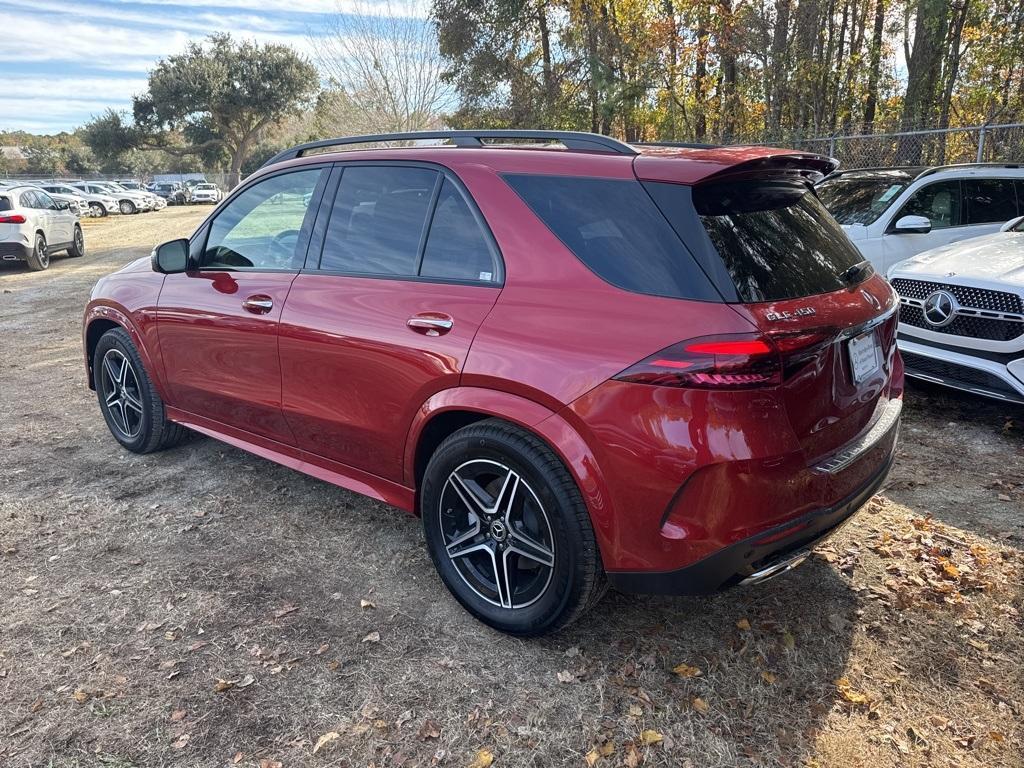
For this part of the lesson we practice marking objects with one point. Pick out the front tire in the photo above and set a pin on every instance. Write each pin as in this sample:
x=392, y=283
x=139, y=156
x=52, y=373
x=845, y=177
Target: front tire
x=127, y=207
x=508, y=531
x=128, y=400
x=97, y=209
x=77, y=248
x=39, y=258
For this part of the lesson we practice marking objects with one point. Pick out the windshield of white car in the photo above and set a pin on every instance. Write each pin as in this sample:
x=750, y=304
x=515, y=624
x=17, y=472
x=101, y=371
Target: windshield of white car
x=853, y=200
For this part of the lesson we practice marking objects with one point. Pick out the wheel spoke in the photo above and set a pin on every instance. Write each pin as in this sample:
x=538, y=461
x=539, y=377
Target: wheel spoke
x=506, y=496
x=501, y=578
x=112, y=398
x=132, y=402
x=469, y=496
x=526, y=546
x=124, y=371
x=462, y=539
x=108, y=366
x=124, y=416
x=469, y=550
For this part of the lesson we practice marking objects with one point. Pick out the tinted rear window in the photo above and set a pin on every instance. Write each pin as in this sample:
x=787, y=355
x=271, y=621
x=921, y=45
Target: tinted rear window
x=775, y=238
x=5, y=204
x=615, y=228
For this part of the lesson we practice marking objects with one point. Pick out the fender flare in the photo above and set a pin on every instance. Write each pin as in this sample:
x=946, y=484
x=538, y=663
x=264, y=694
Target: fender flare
x=546, y=424
x=121, y=317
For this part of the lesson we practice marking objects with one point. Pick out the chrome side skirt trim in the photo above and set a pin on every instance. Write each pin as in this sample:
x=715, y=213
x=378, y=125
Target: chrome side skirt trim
x=851, y=452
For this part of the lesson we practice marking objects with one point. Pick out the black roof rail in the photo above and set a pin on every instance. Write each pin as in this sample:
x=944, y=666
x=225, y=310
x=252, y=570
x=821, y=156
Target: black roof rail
x=679, y=144
x=591, y=142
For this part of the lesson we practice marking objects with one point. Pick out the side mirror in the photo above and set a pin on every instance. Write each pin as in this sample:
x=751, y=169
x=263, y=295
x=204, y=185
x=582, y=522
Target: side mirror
x=63, y=205
x=170, y=257
x=1012, y=224
x=910, y=225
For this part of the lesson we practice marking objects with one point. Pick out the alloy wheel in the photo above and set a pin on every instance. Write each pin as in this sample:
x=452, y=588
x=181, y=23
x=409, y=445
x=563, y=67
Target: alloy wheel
x=121, y=393
x=497, y=533
x=42, y=254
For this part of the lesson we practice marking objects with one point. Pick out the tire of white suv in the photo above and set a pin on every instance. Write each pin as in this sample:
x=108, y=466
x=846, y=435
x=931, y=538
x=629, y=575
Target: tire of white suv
x=127, y=207
x=39, y=258
x=508, y=531
x=77, y=248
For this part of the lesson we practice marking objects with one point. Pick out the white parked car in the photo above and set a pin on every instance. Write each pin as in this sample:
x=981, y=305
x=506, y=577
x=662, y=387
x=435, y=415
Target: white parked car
x=100, y=203
x=891, y=214
x=962, y=314
x=206, y=193
x=127, y=201
x=34, y=226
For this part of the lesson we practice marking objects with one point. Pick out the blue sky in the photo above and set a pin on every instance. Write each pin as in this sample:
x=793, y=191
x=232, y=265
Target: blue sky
x=63, y=61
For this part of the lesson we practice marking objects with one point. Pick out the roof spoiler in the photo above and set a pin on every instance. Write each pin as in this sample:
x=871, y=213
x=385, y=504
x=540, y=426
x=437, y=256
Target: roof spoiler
x=796, y=165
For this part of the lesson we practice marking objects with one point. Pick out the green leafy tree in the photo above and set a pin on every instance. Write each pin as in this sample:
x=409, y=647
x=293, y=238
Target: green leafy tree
x=216, y=100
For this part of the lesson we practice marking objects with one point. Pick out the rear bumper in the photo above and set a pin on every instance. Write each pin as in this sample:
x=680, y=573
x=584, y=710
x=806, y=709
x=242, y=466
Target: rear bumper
x=14, y=251
x=759, y=557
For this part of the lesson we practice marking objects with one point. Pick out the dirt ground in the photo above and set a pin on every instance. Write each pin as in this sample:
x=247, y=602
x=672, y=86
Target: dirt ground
x=203, y=607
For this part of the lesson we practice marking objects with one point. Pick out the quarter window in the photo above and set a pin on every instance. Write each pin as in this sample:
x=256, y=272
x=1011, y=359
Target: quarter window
x=457, y=248
x=378, y=220
x=939, y=203
x=262, y=227
x=989, y=201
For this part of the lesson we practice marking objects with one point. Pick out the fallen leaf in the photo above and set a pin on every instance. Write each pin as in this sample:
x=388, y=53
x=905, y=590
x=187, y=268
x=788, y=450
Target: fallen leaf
x=178, y=715
x=565, y=676
x=743, y=625
x=181, y=741
x=850, y=694
x=237, y=758
x=373, y=637
x=322, y=649
x=592, y=756
x=245, y=682
x=700, y=705
x=607, y=749
x=366, y=604
x=197, y=645
x=266, y=762
x=997, y=736
x=685, y=670
x=325, y=740
x=483, y=759
x=788, y=641
x=223, y=685
x=650, y=737
x=768, y=677
x=81, y=695
x=429, y=730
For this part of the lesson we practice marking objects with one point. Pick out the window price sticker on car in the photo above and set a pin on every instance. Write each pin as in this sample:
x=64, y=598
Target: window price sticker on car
x=863, y=356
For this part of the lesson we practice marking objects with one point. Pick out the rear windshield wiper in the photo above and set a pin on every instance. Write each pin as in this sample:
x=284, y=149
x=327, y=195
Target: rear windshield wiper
x=856, y=273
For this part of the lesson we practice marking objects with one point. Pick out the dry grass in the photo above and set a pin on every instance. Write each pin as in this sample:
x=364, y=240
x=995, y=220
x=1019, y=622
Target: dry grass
x=132, y=585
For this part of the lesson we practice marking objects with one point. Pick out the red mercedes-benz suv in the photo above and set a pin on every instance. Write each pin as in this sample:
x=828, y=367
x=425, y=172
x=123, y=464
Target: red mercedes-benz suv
x=579, y=361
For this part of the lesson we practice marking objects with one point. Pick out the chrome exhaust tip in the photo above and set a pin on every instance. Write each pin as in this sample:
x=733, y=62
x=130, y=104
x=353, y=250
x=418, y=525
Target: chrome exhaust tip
x=776, y=569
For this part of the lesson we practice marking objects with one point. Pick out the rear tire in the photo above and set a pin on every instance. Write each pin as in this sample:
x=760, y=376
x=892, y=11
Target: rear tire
x=39, y=259
x=128, y=400
x=97, y=209
x=508, y=530
x=77, y=248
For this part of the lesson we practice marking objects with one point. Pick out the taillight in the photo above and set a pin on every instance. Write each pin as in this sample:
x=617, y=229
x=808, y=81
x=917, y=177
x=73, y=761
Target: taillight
x=13, y=218
x=735, y=361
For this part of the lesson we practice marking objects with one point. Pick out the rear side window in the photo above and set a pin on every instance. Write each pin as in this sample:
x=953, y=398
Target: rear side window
x=378, y=220
x=457, y=248
x=774, y=238
x=5, y=204
x=989, y=201
x=617, y=231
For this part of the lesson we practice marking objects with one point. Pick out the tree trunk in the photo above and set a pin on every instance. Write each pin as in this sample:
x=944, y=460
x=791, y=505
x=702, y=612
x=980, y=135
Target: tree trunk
x=875, y=67
x=776, y=91
x=700, y=73
x=550, y=96
x=727, y=57
x=923, y=68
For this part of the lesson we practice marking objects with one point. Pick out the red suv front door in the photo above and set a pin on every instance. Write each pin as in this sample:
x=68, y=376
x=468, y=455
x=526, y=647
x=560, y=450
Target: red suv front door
x=404, y=274
x=218, y=322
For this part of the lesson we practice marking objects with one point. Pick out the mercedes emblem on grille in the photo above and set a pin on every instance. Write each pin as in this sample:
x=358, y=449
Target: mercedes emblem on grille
x=940, y=308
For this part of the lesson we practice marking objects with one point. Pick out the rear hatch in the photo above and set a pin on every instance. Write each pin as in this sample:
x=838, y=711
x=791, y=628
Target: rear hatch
x=783, y=263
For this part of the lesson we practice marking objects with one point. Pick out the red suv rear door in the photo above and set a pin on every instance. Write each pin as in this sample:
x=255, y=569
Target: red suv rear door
x=218, y=322
x=401, y=273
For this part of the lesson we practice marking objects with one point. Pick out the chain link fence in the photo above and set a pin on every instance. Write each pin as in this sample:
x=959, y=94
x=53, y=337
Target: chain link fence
x=940, y=146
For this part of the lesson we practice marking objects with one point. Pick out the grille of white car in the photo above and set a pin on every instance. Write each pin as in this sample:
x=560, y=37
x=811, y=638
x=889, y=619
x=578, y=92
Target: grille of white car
x=975, y=298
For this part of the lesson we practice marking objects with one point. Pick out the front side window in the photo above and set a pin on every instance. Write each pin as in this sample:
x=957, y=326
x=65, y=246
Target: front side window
x=261, y=227
x=860, y=200
x=989, y=201
x=30, y=200
x=939, y=203
x=378, y=220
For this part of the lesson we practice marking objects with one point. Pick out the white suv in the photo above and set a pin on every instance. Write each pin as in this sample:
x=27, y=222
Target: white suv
x=891, y=214
x=33, y=226
x=962, y=314
x=100, y=203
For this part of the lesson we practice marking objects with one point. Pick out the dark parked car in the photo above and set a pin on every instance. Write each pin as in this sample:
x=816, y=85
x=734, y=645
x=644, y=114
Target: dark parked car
x=173, y=192
x=663, y=368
